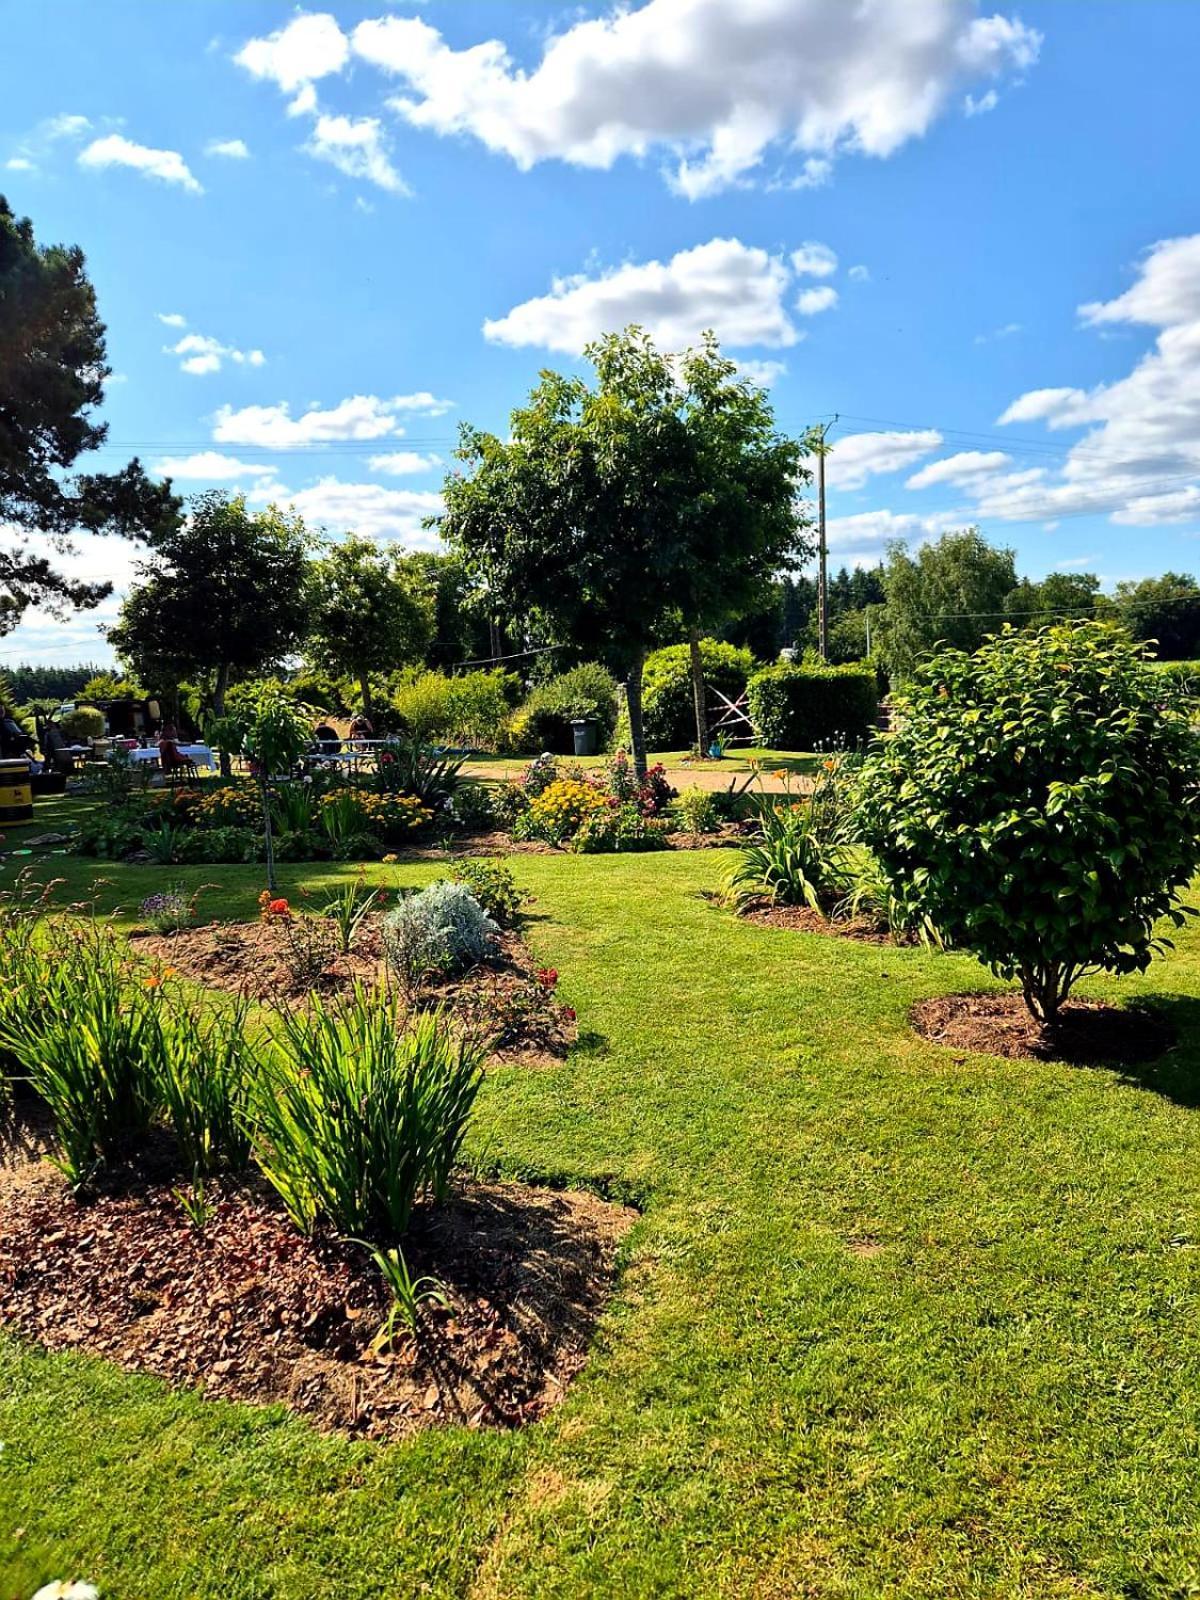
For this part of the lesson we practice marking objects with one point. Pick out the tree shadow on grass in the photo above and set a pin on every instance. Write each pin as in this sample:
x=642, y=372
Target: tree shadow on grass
x=1176, y=1073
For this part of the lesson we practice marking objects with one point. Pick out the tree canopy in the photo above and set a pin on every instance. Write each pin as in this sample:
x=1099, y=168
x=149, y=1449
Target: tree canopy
x=222, y=592
x=658, y=493
x=52, y=371
x=369, y=613
x=1163, y=611
x=952, y=591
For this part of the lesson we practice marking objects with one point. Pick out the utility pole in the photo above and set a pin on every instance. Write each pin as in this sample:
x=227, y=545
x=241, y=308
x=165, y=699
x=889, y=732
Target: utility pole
x=823, y=552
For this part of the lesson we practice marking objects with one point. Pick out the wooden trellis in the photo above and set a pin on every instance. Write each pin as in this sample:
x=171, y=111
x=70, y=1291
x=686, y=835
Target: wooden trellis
x=732, y=724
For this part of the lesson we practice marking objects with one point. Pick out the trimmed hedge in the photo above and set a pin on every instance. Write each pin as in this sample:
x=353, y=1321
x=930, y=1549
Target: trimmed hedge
x=808, y=708
x=544, y=722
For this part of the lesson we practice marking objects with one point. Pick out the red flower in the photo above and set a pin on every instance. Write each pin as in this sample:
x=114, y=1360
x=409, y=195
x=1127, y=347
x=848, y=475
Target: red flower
x=547, y=977
x=568, y=1013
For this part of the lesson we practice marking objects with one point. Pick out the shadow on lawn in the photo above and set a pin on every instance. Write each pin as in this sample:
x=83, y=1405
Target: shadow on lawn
x=1176, y=1074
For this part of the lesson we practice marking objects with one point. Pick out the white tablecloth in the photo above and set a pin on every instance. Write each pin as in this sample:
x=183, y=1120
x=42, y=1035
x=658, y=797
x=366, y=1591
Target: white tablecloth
x=199, y=753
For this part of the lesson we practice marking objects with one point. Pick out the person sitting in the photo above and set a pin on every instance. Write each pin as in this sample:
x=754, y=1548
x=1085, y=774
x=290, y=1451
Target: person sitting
x=14, y=741
x=57, y=757
x=171, y=758
x=326, y=739
x=361, y=729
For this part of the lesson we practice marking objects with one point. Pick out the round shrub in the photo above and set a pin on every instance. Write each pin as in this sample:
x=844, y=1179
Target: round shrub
x=544, y=722
x=1037, y=805
x=442, y=928
x=797, y=707
x=668, y=709
x=82, y=725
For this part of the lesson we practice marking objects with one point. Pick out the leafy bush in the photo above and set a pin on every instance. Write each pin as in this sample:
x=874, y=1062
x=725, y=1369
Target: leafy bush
x=617, y=828
x=207, y=845
x=697, y=811
x=82, y=725
x=668, y=709
x=1037, y=803
x=798, y=707
x=356, y=1120
x=493, y=885
x=403, y=767
x=231, y=805
x=589, y=690
x=438, y=930
x=469, y=709
x=108, y=838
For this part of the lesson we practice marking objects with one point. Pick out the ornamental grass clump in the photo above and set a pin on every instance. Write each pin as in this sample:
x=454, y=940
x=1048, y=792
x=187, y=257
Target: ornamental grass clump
x=358, y=1119
x=1037, y=804
x=203, y=1069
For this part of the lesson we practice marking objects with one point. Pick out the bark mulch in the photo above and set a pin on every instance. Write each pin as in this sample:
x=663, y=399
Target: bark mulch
x=252, y=959
x=803, y=919
x=249, y=1309
x=1088, y=1033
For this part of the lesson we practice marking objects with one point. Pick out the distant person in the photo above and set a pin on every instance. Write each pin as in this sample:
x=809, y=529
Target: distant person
x=326, y=738
x=14, y=741
x=170, y=757
x=56, y=754
x=361, y=729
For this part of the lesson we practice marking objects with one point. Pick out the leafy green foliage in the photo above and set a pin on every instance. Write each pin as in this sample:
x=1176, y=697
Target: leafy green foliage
x=667, y=708
x=586, y=691
x=1164, y=612
x=53, y=367
x=1037, y=804
x=357, y=1119
x=793, y=860
x=367, y=615
x=406, y=767
x=804, y=707
x=408, y=1295
x=698, y=811
x=349, y=906
x=82, y=725
x=493, y=886
x=468, y=709
x=204, y=1064
x=952, y=591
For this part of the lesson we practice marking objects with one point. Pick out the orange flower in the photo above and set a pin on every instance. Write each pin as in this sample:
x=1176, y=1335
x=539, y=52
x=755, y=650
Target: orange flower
x=153, y=981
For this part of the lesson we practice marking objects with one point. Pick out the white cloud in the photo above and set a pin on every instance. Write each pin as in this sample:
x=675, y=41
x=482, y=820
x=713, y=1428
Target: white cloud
x=736, y=289
x=1139, y=461
x=357, y=147
x=404, y=463
x=172, y=319
x=210, y=466
x=38, y=145
x=369, y=509
x=1006, y=331
x=201, y=354
x=859, y=456
x=114, y=150
x=860, y=274
x=360, y=416
x=763, y=373
x=814, y=260
x=294, y=57
x=811, y=301
x=232, y=149
x=978, y=107
x=712, y=85
x=862, y=539
x=963, y=468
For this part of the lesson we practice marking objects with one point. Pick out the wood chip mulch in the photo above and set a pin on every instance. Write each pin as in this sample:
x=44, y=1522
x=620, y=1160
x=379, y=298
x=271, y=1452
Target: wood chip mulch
x=1088, y=1033
x=803, y=919
x=250, y=1309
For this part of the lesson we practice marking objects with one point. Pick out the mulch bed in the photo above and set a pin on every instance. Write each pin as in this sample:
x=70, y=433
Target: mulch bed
x=249, y=1309
x=1088, y=1033
x=803, y=919
x=250, y=959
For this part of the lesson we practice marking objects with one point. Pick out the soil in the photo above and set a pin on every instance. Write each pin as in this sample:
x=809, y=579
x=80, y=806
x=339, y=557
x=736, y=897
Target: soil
x=249, y=1309
x=252, y=959
x=804, y=919
x=1087, y=1032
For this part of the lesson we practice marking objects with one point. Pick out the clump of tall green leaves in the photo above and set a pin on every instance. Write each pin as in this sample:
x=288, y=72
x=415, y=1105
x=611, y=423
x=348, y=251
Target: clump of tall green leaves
x=407, y=767
x=801, y=851
x=1037, y=803
x=356, y=1119
x=203, y=1071
x=348, y=907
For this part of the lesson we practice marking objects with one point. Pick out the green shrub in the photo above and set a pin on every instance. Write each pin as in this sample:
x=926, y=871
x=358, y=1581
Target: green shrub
x=698, y=811
x=544, y=722
x=435, y=931
x=470, y=709
x=796, y=707
x=668, y=708
x=403, y=767
x=797, y=858
x=1036, y=803
x=493, y=885
x=82, y=725
x=621, y=828
x=357, y=1120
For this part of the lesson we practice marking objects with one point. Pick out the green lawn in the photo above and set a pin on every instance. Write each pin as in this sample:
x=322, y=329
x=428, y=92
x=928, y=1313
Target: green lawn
x=737, y=762
x=896, y=1322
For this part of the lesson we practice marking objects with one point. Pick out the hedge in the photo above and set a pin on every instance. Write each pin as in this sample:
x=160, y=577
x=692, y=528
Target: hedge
x=544, y=722
x=811, y=708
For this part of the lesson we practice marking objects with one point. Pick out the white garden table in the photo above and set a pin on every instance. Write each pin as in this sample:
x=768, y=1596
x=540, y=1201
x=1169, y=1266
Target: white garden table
x=199, y=754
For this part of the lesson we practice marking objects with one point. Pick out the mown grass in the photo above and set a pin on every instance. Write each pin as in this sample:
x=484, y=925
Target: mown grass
x=895, y=1322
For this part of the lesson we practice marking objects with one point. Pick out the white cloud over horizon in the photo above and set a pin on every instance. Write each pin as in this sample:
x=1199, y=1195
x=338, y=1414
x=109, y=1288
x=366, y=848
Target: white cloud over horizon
x=856, y=457
x=360, y=416
x=115, y=150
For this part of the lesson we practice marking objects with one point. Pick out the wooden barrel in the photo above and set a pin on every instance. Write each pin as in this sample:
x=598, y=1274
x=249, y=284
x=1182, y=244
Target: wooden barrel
x=16, y=794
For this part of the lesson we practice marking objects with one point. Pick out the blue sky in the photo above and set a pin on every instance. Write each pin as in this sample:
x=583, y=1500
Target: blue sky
x=320, y=239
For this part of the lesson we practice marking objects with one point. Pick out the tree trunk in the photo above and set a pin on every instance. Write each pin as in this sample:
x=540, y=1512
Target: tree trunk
x=264, y=791
x=218, y=705
x=1045, y=989
x=699, y=695
x=364, y=685
x=633, y=697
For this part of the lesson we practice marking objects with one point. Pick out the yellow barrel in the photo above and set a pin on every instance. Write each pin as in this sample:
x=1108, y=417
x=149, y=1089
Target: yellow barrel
x=16, y=795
